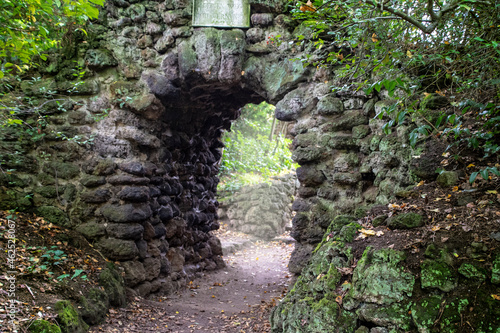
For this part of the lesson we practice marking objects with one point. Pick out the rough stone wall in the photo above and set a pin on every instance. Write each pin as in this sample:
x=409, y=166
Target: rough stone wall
x=262, y=210
x=140, y=184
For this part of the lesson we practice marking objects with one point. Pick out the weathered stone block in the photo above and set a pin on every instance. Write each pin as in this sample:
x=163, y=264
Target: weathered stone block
x=97, y=196
x=152, y=267
x=134, y=194
x=125, y=231
x=134, y=273
x=310, y=176
x=330, y=105
x=118, y=249
x=128, y=180
x=126, y=213
x=99, y=59
x=176, y=258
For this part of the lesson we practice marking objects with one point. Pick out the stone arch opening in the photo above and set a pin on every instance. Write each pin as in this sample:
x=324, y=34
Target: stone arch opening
x=257, y=174
x=155, y=157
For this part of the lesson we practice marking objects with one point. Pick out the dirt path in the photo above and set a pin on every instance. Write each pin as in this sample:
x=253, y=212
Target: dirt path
x=235, y=299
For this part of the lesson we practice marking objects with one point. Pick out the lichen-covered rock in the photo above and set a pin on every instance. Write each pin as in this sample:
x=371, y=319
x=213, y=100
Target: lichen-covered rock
x=395, y=316
x=312, y=307
x=379, y=278
x=99, y=59
x=425, y=312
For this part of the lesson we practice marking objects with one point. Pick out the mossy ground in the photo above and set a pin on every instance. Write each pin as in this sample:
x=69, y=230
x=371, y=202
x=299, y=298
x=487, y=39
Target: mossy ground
x=41, y=282
x=451, y=259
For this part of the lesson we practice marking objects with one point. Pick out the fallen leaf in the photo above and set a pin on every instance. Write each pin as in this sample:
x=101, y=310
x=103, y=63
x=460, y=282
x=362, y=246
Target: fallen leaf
x=435, y=228
x=495, y=297
x=368, y=232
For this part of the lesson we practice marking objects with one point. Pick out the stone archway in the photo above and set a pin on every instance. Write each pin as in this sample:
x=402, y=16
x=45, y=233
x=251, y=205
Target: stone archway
x=144, y=191
x=153, y=169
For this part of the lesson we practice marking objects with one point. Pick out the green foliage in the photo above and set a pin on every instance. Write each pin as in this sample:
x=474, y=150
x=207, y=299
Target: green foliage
x=251, y=153
x=407, y=49
x=29, y=28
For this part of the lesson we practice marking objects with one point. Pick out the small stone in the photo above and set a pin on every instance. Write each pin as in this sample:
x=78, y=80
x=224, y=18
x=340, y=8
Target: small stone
x=437, y=274
x=471, y=272
x=405, y=221
x=379, y=220
x=447, y=179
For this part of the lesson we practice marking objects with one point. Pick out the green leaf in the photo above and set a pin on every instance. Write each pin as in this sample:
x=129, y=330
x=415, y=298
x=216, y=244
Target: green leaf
x=77, y=273
x=484, y=173
x=62, y=277
x=473, y=177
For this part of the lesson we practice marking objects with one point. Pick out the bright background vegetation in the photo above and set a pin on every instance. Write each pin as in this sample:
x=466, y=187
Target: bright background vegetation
x=255, y=148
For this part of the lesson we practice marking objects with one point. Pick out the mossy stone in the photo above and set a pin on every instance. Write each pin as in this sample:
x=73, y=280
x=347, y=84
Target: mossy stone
x=348, y=232
x=54, y=215
x=437, y=274
x=94, y=306
x=447, y=179
x=405, y=221
x=451, y=319
x=424, y=312
x=472, y=272
x=360, y=131
x=394, y=315
x=43, y=326
x=68, y=318
x=379, y=278
x=62, y=170
x=379, y=220
x=114, y=285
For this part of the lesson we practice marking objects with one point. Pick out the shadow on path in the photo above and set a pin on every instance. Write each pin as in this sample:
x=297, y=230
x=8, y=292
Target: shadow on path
x=237, y=298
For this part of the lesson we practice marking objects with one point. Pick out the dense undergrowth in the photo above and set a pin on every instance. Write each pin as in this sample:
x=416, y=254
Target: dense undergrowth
x=437, y=60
